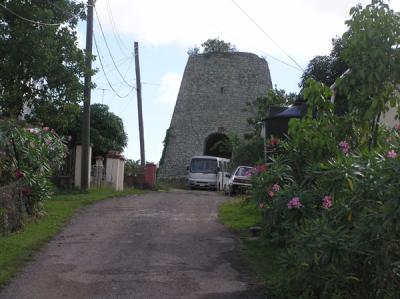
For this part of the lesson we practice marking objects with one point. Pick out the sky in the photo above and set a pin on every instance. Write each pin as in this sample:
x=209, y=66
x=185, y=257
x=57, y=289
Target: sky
x=287, y=30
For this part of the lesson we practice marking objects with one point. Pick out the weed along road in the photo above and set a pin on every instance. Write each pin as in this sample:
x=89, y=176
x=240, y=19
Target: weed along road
x=156, y=245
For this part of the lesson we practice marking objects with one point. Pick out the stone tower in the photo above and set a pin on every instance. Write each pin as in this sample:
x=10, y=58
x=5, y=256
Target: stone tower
x=214, y=90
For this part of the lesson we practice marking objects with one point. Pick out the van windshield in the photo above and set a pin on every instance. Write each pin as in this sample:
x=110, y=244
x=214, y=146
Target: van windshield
x=203, y=165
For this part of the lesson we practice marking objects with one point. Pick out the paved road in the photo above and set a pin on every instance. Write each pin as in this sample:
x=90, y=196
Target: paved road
x=157, y=245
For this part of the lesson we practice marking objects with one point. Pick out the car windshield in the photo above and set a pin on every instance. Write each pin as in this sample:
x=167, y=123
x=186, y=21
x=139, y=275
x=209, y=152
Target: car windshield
x=243, y=171
x=203, y=165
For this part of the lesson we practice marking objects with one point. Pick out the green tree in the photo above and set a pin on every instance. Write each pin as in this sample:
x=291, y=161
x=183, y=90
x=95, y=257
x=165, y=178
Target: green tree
x=217, y=45
x=212, y=45
x=371, y=50
x=259, y=108
x=327, y=68
x=41, y=66
x=106, y=130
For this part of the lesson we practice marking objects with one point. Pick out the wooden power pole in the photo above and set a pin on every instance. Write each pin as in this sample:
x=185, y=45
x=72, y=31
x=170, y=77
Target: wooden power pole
x=86, y=101
x=139, y=103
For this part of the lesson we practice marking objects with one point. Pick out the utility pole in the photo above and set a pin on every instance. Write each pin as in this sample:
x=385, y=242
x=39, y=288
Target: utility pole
x=139, y=103
x=86, y=101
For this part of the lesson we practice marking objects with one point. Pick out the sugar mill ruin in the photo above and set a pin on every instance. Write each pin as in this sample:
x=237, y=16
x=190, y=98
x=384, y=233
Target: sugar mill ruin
x=211, y=105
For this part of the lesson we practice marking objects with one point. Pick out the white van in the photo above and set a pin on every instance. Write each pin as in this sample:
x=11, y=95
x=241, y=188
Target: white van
x=208, y=172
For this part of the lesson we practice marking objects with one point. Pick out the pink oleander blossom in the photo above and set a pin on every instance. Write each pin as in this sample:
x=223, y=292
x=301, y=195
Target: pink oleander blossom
x=391, y=154
x=33, y=130
x=294, y=203
x=397, y=127
x=261, y=168
x=261, y=205
x=344, y=147
x=19, y=174
x=46, y=129
x=26, y=191
x=271, y=194
x=274, y=141
x=327, y=202
x=276, y=187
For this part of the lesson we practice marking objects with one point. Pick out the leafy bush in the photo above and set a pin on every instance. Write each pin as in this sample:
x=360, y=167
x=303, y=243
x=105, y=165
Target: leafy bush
x=334, y=206
x=132, y=168
x=30, y=155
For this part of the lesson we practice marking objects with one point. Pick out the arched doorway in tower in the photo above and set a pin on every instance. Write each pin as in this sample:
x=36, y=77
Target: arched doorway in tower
x=218, y=144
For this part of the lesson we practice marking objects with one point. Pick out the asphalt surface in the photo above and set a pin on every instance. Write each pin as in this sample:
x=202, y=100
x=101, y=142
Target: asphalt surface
x=156, y=245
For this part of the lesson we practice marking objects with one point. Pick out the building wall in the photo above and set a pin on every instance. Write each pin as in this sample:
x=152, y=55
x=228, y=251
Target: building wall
x=213, y=93
x=389, y=118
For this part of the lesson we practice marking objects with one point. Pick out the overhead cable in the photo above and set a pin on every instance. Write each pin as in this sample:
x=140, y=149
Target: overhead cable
x=117, y=37
x=29, y=20
x=109, y=51
x=105, y=74
x=267, y=35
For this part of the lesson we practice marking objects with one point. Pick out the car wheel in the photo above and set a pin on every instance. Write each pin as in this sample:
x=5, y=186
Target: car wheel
x=226, y=190
x=231, y=191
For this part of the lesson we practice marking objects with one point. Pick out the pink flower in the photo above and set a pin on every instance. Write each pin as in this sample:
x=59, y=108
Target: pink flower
x=276, y=187
x=274, y=141
x=391, y=154
x=19, y=174
x=46, y=129
x=26, y=191
x=271, y=194
x=397, y=127
x=344, y=147
x=33, y=131
x=261, y=168
x=327, y=202
x=294, y=203
x=261, y=205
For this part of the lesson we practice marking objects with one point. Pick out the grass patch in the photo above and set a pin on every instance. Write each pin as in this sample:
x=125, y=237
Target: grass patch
x=238, y=214
x=17, y=248
x=262, y=257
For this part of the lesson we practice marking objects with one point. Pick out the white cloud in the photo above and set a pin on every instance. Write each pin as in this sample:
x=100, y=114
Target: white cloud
x=303, y=28
x=81, y=40
x=169, y=88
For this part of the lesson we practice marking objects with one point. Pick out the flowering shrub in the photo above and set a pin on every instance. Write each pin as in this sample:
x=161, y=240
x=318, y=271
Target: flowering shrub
x=331, y=200
x=30, y=155
x=344, y=147
x=294, y=203
x=339, y=221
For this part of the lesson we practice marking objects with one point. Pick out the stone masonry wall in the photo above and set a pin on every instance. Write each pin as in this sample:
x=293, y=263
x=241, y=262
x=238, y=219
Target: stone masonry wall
x=213, y=93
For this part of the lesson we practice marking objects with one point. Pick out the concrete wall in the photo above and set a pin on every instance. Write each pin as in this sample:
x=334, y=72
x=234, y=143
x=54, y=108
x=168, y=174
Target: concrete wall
x=389, y=118
x=115, y=173
x=78, y=165
x=214, y=90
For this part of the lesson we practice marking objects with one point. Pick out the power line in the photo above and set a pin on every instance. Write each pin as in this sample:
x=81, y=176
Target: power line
x=117, y=37
x=62, y=10
x=279, y=60
x=119, y=62
x=109, y=51
x=29, y=20
x=105, y=74
x=267, y=35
